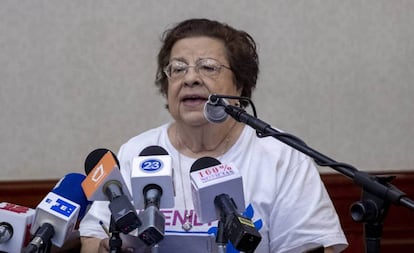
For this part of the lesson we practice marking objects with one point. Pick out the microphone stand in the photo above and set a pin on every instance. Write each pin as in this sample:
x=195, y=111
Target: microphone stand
x=42, y=241
x=378, y=193
x=155, y=248
x=45, y=248
x=115, y=241
x=221, y=239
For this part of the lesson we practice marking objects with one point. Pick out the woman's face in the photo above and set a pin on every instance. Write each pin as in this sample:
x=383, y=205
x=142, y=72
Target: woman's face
x=188, y=91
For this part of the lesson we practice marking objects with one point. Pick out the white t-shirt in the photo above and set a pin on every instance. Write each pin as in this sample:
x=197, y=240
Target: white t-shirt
x=285, y=197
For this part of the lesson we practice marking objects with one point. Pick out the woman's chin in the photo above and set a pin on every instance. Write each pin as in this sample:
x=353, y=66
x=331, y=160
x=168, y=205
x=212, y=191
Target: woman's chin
x=194, y=119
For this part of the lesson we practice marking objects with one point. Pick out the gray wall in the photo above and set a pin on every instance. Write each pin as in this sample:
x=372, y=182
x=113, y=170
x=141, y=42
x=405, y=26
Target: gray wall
x=76, y=75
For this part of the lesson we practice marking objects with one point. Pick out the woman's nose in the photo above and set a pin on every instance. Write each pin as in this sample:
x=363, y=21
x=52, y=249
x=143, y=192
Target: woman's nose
x=192, y=77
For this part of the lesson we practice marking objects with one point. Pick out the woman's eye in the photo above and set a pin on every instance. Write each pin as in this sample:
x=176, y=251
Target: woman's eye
x=208, y=68
x=178, y=69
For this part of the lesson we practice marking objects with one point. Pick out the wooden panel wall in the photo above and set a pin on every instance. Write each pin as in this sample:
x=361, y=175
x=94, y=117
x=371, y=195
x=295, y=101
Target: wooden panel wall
x=398, y=233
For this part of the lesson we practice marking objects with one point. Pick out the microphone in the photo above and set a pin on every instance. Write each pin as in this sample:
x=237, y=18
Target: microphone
x=57, y=214
x=214, y=109
x=217, y=109
x=222, y=185
x=152, y=183
x=15, y=223
x=104, y=182
x=209, y=178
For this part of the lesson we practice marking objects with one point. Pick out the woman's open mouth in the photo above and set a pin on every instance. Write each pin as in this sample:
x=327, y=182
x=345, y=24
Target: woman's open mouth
x=194, y=100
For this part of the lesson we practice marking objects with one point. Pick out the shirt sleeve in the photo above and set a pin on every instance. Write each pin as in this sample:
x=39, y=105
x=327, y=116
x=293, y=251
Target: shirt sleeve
x=89, y=226
x=303, y=216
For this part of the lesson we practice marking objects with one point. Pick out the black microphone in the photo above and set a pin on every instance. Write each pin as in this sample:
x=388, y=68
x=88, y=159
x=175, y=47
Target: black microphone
x=104, y=182
x=212, y=180
x=214, y=109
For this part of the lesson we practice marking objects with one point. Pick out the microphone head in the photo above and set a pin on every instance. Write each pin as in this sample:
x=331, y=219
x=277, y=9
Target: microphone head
x=61, y=208
x=105, y=182
x=214, y=110
x=65, y=188
x=102, y=169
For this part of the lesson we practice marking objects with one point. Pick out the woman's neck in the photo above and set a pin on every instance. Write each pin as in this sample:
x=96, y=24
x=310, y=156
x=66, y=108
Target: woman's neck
x=209, y=140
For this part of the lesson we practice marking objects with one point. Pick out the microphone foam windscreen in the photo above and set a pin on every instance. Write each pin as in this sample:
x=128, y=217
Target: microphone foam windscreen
x=215, y=113
x=204, y=162
x=153, y=150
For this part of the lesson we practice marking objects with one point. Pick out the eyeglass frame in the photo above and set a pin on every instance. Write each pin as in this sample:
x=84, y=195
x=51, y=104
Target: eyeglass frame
x=218, y=66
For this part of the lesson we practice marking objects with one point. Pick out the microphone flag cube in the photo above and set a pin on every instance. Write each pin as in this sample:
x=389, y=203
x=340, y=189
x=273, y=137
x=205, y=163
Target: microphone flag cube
x=156, y=169
x=61, y=213
x=20, y=218
x=105, y=170
x=210, y=182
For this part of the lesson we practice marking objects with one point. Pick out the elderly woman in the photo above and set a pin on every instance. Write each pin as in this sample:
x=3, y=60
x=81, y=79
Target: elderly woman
x=285, y=197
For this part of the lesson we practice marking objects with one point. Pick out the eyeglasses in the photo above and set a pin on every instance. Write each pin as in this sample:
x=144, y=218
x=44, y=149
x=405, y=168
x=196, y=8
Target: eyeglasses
x=207, y=67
